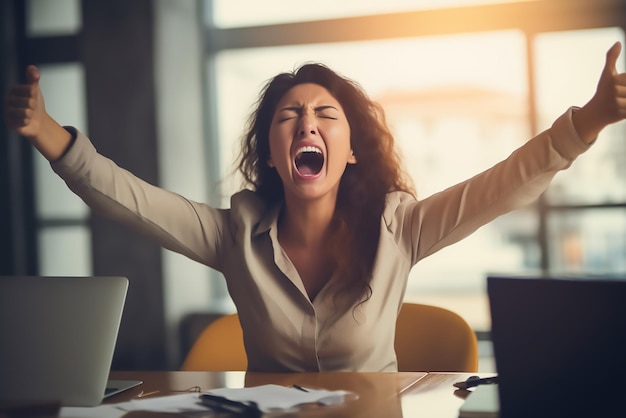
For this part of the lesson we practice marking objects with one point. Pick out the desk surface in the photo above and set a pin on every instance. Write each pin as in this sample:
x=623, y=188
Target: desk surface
x=380, y=394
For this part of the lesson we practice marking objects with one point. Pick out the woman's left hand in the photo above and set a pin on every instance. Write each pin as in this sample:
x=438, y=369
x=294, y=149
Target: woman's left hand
x=608, y=104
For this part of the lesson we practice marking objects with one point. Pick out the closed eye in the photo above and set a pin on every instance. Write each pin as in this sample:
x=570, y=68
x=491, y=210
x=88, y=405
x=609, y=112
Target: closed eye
x=288, y=113
x=324, y=112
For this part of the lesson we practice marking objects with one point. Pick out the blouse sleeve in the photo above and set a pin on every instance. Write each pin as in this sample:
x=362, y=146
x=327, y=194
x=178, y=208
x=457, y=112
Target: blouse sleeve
x=424, y=227
x=178, y=224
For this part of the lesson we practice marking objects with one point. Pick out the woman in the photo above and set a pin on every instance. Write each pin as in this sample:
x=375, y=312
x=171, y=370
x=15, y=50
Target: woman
x=317, y=253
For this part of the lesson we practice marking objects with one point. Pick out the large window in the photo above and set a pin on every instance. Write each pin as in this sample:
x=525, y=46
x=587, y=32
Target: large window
x=586, y=216
x=457, y=102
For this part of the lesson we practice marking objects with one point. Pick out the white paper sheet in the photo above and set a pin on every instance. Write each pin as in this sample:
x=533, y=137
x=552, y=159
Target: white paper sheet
x=101, y=411
x=268, y=397
x=276, y=397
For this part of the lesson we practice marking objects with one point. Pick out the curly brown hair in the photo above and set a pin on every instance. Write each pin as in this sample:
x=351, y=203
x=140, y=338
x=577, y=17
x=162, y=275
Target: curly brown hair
x=363, y=186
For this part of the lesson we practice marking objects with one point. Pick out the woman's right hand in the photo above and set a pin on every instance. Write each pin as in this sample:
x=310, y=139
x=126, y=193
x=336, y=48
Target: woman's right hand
x=25, y=112
x=25, y=107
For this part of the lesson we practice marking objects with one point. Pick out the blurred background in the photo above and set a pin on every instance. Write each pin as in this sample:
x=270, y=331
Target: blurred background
x=164, y=88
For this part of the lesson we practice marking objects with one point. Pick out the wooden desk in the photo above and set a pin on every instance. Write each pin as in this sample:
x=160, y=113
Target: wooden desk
x=388, y=395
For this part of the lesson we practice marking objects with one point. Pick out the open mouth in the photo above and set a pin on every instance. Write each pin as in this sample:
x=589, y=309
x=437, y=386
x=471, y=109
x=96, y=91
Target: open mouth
x=309, y=161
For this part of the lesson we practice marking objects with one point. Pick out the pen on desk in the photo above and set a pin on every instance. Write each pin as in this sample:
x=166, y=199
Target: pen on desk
x=473, y=381
x=143, y=394
x=299, y=388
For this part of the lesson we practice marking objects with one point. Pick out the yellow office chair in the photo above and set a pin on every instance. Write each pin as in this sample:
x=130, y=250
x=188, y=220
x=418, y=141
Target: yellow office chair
x=219, y=347
x=434, y=339
x=428, y=339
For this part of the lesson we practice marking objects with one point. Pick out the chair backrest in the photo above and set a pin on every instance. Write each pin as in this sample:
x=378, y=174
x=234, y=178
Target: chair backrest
x=434, y=339
x=428, y=339
x=219, y=347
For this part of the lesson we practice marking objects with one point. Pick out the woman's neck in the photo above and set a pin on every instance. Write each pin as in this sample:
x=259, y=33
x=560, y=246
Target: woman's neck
x=306, y=223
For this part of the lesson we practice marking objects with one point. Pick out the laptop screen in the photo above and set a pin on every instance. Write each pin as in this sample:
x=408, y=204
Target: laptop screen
x=58, y=337
x=559, y=345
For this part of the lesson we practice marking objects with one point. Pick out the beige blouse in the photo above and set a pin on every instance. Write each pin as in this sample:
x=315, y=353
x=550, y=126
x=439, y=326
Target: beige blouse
x=283, y=329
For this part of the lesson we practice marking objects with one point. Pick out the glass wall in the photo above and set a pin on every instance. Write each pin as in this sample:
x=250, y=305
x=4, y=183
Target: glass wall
x=52, y=18
x=63, y=235
x=586, y=231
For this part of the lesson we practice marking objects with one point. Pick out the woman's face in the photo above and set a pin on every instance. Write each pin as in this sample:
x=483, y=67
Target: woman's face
x=310, y=142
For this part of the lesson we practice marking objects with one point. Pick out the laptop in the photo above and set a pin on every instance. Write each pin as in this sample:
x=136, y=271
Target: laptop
x=559, y=346
x=57, y=338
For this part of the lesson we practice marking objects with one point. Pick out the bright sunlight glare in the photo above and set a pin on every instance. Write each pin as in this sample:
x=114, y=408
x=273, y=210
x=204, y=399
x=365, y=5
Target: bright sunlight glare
x=234, y=13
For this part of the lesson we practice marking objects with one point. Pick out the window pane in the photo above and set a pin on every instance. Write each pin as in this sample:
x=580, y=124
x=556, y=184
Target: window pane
x=567, y=67
x=233, y=13
x=50, y=18
x=54, y=199
x=588, y=241
x=464, y=93
x=63, y=88
x=65, y=251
